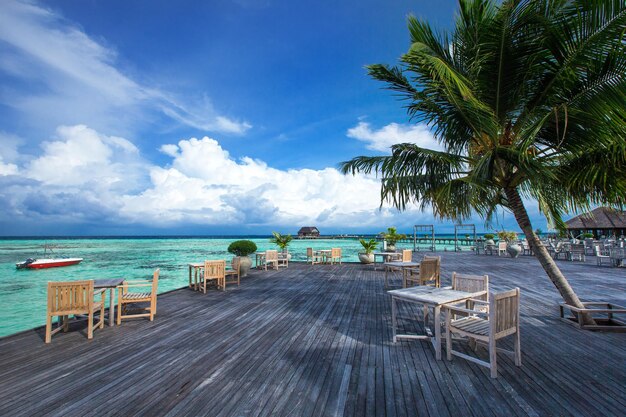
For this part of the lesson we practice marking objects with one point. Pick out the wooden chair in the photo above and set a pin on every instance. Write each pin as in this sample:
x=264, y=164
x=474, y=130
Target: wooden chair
x=501, y=320
x=126, y=296
x=231, y=276
x=472, y=283
x=213, y=271
x=501, y=248
x=600, y=256
x=576, y=252
x=335, y=256
x=283, y=259
x=427, y=274
x=271, y=258
x=313, y=256
x=72, y=298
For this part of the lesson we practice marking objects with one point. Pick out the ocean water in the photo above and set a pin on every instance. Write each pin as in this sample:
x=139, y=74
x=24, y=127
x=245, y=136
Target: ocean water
x=23, y=292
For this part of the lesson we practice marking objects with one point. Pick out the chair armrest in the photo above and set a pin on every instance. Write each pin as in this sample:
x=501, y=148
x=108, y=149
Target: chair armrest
x=149, y=284
x=99, y=291
x=454, y=309
x=479, y=301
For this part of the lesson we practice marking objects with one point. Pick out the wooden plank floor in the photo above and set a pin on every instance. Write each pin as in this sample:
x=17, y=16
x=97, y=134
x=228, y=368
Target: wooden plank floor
x=316, y=341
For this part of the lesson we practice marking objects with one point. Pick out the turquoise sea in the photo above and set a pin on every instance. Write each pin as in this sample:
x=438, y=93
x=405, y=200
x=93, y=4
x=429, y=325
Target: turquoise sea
x=23, y=292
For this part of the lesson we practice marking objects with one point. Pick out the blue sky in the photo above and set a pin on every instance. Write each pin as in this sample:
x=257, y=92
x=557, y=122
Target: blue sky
x=157, y=117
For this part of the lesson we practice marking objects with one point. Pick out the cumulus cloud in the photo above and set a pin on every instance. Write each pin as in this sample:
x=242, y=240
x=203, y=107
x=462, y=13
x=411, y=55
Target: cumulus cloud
x=81, y=156
x=82, y=176
x=204, y=184
x=53, y=61
x=382, y=139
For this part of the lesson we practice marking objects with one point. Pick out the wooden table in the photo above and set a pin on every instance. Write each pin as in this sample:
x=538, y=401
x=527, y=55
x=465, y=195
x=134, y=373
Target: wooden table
x=386, y=256
x=259, y=258
x=111, y=285
x=428, y=297
x=195, y=267
x=325, y=254
x=400, y=265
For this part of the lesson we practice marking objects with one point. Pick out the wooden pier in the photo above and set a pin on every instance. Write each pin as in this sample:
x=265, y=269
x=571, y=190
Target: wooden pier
x=316, y=341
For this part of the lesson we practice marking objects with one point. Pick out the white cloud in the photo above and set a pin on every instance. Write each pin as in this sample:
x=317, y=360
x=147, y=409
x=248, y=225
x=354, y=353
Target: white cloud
x=204, y=184
x=82, y=175
x=82, y=157
x=7, y=169
x=394, y=133
x=74, y=79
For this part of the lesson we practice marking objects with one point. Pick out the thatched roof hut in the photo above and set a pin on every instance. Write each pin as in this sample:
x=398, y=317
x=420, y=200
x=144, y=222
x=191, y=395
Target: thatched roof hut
x=603, y=221
x=310, y=231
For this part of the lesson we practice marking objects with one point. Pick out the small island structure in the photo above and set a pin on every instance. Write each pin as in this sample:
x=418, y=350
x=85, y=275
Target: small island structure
x=308, y=232
x=602, y=221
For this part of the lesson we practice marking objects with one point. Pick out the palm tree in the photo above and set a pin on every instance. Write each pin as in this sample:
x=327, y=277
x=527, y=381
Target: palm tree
x=527, y=100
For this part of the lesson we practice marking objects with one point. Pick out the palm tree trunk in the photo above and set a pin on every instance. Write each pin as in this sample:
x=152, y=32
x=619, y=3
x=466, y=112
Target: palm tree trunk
x=541, y=253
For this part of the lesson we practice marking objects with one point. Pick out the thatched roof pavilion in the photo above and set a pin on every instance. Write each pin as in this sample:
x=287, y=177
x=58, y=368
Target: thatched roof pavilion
x=310, y=231
x=602, y=221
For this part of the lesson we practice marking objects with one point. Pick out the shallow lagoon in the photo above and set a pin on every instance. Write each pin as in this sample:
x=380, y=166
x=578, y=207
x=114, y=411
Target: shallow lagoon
x=23, y=292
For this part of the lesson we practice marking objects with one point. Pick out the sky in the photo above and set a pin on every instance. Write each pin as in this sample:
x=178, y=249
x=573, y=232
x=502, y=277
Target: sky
x=189, y=117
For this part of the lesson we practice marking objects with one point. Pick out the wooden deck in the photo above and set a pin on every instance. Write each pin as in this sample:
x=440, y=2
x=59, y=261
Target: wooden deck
x=316, y=341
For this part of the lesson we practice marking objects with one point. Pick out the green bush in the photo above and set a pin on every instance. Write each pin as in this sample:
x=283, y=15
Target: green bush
x=242, y=247
x=489, y=236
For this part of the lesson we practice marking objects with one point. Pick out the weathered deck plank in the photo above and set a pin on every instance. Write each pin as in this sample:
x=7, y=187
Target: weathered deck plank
x=312, y=341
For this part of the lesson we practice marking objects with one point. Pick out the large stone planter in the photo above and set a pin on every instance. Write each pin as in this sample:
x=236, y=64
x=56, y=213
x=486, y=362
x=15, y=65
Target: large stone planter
x=513, y=249
x=366, y=258
x=245, y=263
x=390, y=248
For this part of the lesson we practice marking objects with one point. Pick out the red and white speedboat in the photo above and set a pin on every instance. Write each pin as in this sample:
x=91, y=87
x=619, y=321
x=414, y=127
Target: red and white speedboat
x=46, y=262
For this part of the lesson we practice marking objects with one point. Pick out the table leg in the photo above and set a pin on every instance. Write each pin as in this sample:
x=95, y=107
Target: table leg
x=189, y=276
x=386, y=270
x=393, y=319
x=111, y=306
x=437, y=341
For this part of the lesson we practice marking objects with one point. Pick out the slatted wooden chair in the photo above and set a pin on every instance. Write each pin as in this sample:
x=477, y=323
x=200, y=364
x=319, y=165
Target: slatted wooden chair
x=601, y=256
x=73, y=298
x=313, y=256
x=271, y=259
x=428, y=273
x=133, y=295
x=232, y=275
x=283, y=259
x=335, y=256
x=501, y=248
x=576, y=252
x=472, y=283
x=214, y=272
x=501, y=320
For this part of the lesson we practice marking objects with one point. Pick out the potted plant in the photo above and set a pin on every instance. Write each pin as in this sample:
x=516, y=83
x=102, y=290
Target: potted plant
x=512, y=246
x=369, y=246
x=489, y=239
x=392, y=237
x=282, y=241
x=241, y=249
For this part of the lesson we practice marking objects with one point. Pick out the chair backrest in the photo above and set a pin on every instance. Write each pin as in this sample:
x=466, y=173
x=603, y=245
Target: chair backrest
x=577, y=248
x=429, y=269
x=74, y=297
x=501, y=246
x=271, y=255
x=471, y=283
x=309, y=252
x=235, y=263
x=155, y=280
x=407, y=255
x=504, y=312
x=214, y=269
x=335, y=252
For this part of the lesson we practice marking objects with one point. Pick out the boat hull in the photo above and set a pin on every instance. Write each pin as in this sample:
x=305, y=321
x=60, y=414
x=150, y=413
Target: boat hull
x=48, y=263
